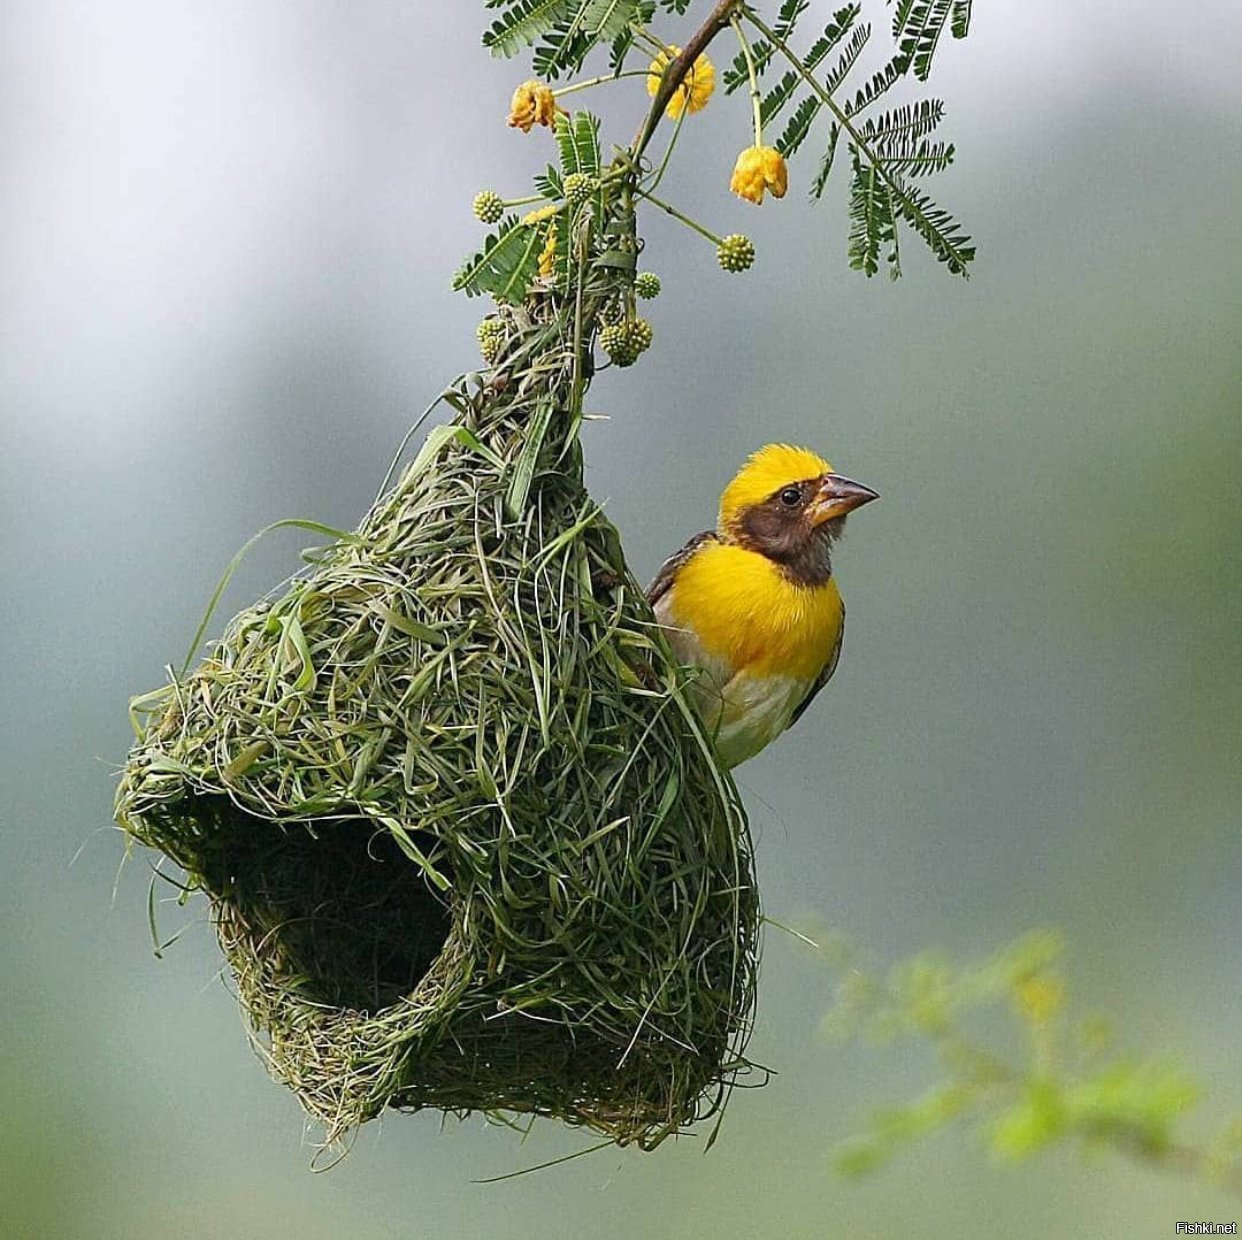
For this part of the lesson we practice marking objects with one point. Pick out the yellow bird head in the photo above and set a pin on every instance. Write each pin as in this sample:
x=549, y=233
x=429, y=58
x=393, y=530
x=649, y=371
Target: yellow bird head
x=787, y=503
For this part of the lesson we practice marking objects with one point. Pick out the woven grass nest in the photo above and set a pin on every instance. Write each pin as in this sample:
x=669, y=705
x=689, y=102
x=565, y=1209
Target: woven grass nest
x=465, y=844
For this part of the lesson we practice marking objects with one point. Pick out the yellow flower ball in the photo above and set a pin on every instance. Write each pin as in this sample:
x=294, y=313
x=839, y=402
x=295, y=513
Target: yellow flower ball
x=532, y=104
x=695, y=89
x=759, y=168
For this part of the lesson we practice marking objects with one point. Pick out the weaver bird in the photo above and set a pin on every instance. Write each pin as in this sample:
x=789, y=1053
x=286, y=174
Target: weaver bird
x=753, y=604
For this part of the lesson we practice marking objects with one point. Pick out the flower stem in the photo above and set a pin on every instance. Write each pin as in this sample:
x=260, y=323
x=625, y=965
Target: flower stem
x=677, y=215
x=668, y=153
x=656, y=45
x=676, y=72
x=561, y=91
x=755, y=108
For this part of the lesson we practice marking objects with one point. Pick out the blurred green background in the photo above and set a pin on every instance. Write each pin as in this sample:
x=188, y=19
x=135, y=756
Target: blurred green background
x=228, y=235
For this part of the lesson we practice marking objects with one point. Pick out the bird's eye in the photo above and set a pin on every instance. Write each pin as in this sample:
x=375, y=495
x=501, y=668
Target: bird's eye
x=791, y=497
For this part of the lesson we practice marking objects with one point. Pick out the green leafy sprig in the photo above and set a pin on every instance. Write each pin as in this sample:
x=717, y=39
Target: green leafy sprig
x=885, y=152
x=815, y=89
x=1056, y=1080
x=505, y=267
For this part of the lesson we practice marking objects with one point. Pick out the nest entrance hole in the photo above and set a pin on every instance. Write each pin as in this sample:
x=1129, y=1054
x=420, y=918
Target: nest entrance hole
x=332, y=908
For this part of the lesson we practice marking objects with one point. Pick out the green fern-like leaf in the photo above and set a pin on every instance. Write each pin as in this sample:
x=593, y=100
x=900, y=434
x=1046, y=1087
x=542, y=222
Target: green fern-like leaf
x=787, y=18
x=577, y=139
x=736, y=74
x=841, y=24
x=550, y=184
x=606, y=19
x=561, y=50
x=920, y=31
x=621, y=47
x=943, y=234
x=901, y=124
x=842, y=21
x=804, y=115
x=778, y=96
x=912, y=14
x=899, y=139
x=523, y=24
x=506, y=265
x=826, y=162
x=872, y=221
x=588, y=23
x=798, y=126
x=922, y=160
x=901, y=15
x=879, y=84
x=623, y=43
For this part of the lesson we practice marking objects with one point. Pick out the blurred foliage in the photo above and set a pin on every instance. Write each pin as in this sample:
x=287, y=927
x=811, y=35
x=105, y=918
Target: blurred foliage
x=1056, y=1078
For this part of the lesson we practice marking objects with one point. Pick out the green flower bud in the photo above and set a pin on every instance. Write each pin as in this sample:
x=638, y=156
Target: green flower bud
x=488, y=206
x=578, y=188
x=640, y=335
x=616, y=342
x=491, y=335
x=735, y=252
x=647, y=284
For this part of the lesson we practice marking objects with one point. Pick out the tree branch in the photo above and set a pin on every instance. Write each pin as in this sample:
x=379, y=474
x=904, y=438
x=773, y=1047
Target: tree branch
x=676, y=72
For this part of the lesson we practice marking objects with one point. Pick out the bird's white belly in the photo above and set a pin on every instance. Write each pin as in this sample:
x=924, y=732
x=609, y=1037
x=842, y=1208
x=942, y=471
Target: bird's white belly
x=742, y=712
x=751, y=712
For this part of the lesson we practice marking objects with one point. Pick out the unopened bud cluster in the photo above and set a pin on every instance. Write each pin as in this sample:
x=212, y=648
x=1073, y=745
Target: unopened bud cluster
x=647, y=284
x=625, y=342
x=578, y=188
x=491, y=334
x=735, y=252
x=488, y=206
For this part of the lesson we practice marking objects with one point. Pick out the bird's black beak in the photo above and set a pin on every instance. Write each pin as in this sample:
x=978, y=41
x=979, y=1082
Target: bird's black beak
x=837, y=495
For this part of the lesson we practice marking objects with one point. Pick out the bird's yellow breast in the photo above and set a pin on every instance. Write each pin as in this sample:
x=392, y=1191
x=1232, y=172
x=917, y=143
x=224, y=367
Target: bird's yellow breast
x=744, y=610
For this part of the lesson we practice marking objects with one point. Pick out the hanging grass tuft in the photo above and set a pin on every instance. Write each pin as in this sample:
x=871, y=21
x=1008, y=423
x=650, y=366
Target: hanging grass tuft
x=465, y=843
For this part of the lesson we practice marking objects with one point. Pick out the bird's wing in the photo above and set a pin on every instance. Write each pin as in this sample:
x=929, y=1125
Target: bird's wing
x=824, y=676
x=673, y=565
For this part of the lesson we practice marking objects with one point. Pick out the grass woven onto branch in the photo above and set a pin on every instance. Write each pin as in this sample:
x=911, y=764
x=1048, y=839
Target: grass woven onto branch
x=464, y=842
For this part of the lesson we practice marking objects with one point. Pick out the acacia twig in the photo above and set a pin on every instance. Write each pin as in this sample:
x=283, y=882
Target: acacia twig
x=681, y=65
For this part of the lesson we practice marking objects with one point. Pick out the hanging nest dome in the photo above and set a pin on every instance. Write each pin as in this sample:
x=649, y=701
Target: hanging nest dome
x=466, y=845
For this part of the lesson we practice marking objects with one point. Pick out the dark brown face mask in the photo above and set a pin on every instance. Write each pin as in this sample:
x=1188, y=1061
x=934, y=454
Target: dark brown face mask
x=797, y=525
